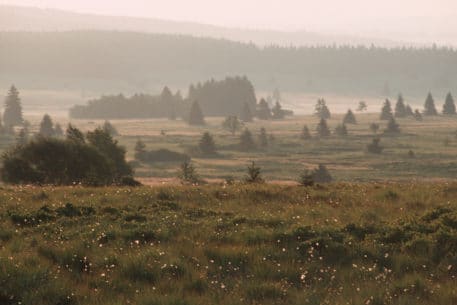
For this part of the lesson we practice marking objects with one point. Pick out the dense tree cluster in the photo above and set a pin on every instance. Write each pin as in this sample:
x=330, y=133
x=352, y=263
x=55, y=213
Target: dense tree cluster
x=94, y=159
x=137, y=60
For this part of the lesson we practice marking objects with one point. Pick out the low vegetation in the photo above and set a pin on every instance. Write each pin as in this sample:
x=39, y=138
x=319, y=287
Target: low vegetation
x=237, y=244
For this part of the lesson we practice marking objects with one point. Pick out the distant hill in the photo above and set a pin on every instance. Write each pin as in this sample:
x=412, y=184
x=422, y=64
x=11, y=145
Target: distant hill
x=15, y=19
x=115, y=62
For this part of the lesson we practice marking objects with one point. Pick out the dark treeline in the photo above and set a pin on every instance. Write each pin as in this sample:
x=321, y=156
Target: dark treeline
x=138, y=62
x=225, y=97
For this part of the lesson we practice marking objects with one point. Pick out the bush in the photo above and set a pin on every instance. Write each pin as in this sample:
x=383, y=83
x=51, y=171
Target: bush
x=374, y=147
x=254, y=174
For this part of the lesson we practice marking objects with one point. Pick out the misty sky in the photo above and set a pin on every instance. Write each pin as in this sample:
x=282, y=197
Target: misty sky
x=278, y=14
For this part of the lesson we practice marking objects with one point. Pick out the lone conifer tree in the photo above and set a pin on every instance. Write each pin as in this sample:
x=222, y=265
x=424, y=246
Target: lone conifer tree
x=246, y=113
x=277, y=111
x=429, y=106
x=322, y=128
x=392, y=127
x=341, y=130
x=321, y=109
x=417, y=115
x=263, y=110
x=305, y=134
x=409, y=111
x=168, y=101
x=109, y=128
x=386, y=111
x=12, y=115
x=46, y=126
x=254, y=174
x=374, y=146
x=246, y=140
x=207, y=145
x=374, y=127
x=74, y=134
x=449, y=105
x=232, y=124
x=321, y=174
x=196, y=114
x=400, y=108
x=263, y=138
x=349, y=118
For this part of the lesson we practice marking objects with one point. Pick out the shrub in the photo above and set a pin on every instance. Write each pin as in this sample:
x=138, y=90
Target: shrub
x=374, y=147
x=254, y=174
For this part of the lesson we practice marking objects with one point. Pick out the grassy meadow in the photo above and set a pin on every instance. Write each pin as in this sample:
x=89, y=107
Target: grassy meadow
x=377, y=243
x=432, y=140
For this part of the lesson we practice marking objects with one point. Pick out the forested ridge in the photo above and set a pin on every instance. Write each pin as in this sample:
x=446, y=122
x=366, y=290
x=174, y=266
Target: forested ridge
x=113, y=61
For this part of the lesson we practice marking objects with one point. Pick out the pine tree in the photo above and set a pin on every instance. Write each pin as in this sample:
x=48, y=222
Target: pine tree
x=207, y=145
x=254, y=174
x=188, y=174
x=263, y=110
x=392, y=127
x=246, y=140
x=263, y=138
x=277, y=111
x=46, y=127
x=409, y=111
x=168, y=101
x=400, y=108
x=12, y=115
x=429, y=106
x=74, y=134
x=449, y=105
x=322, y=128
x=22, y=137
x=322, y=175
x=362, y=106
x=417, y=115
x=349, y=118
x=321, y=109
x=58, y=132
x=374, y=146
x=140, y=150
x=374, y=127
x=306, y=178
x=196, y=114
x=246, y=113
x=386, y=112
x=109, y=128
x=305, y=134
x=341, y=130
x=232, y=124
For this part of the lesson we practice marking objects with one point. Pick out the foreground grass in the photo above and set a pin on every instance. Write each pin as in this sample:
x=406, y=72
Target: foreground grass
x=262, y=244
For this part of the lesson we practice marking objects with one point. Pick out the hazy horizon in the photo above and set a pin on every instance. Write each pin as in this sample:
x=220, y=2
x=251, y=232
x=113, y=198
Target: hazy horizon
x=287, y=15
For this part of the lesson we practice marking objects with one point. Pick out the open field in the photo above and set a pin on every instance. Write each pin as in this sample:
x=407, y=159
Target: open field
x=379, y=243
x=433, y=142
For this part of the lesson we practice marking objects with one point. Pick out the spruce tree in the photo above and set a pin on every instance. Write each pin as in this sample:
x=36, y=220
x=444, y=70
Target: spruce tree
x=341, y=130
x=392, y=127
x=168, y=101
x=321, y=109
x=374, y=146
x=22, y=137
x=58, y=132
x=322, y=175
x=109, y=128
x=277, y=111
x=263, y=138
x=263, y=110
x=305, y=134
x=429, y=106
x=409, y=111
x=232, y=124
x=196, y=114
x=374, y=127
x=400, y=108
x=349, y=118
x=449, y=105
x=46, y=127
x=246, y=113
x=322, y=128
x=207, y=145
x=386, y=111
x=254, y=174
x=74, y=134
x=246, y=141
x=12, y=115
x=417, y=115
